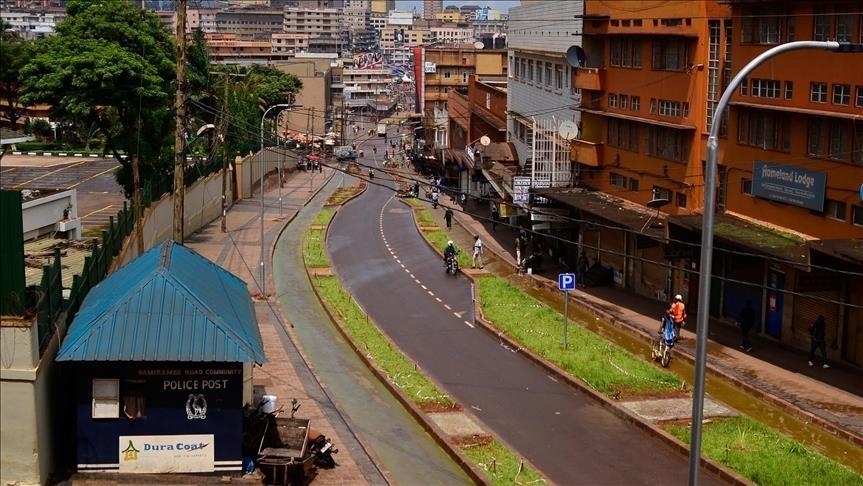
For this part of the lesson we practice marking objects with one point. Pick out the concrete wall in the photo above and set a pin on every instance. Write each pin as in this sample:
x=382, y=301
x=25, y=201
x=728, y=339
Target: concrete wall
x=26, y=404
x=44, y=215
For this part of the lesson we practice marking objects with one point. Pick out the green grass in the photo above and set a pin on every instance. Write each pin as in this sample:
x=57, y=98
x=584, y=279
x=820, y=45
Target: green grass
x=315, y=253
x=323, y=218
x=417, y=203
x=764, y=456
x=424, y=218
x=604, y=366
x=498, y=463
x=438, y=239
x=399, y=370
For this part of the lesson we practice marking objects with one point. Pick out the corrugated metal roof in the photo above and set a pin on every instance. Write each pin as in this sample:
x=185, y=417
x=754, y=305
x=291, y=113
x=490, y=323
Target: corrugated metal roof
x=169, y=304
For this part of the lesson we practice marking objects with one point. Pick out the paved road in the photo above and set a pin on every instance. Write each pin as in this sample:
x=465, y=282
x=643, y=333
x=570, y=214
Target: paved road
x=400, y=282
x=99, y=195
x=408, y=454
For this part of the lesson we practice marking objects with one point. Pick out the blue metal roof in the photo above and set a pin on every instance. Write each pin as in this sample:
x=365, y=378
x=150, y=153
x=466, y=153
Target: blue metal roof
x=169, y=304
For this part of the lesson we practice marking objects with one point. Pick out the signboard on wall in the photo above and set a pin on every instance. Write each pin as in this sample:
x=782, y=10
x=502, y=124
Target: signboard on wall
x=430, y=67
x=788, y=184
x=166, y=453
x=520, y=190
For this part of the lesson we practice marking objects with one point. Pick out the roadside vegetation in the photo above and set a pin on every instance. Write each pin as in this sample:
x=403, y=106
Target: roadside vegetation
x=764, y=456
x=489, y=455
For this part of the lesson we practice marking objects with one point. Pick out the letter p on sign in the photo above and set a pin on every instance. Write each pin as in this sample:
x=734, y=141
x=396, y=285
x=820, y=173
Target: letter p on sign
x=566, y=281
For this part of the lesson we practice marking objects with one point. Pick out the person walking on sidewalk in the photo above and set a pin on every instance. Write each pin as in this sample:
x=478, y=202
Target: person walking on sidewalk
x=746, y=321
x=494, y=215
x=447, y=215
x=477, y=252
x=818, y=336
x=678, y=313
x=518, y=251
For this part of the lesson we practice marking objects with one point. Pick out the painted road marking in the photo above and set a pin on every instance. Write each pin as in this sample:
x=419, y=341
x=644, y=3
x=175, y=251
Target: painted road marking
x=92, y=177
x=469, y=325
x=447, y=307
x=49, y=173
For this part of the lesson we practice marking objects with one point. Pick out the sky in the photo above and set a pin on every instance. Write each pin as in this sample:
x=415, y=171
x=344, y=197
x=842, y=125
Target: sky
x=502, y=5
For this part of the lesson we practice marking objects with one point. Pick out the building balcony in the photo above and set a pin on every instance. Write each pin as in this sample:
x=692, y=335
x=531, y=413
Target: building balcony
x=587, y=153
x=590, y=78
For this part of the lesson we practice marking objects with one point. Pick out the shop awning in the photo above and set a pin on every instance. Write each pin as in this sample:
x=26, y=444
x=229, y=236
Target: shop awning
x=758, y=239
x=169, y=304
x=500, y=178
x=802, y=111
x=615, y=210
x=850, y=249
x=651, y=121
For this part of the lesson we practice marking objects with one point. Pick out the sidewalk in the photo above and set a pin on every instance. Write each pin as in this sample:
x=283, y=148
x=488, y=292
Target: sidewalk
x=831, y=399
x=285, y=374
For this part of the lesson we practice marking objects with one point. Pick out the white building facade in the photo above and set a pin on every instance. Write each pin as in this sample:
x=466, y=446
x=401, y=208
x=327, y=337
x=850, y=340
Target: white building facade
x=540, y=92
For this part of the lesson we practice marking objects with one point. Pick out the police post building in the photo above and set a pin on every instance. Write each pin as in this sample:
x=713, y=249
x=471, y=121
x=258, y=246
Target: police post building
x=159, y=356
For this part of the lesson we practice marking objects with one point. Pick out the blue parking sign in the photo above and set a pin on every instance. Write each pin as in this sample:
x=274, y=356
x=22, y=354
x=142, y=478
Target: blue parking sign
x=566, y=281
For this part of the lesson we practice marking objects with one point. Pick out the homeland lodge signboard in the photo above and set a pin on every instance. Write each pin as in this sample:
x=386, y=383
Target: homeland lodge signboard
x=790, y=185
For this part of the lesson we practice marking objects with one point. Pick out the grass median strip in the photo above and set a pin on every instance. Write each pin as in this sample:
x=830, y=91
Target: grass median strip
x=606, y=367
x=486, y=453
x=765, y=456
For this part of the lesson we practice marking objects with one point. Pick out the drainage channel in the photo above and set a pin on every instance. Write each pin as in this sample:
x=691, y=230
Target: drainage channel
x=720, y=389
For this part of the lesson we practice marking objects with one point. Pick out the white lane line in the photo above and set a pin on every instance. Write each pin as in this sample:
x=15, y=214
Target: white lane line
x=403, y=265
x=447, y=307
x=431, y=293
x=423, y=286
x=438, y=299
x=469, y=325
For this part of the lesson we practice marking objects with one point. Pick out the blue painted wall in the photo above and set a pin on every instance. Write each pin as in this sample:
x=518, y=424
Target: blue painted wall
x=166, y=387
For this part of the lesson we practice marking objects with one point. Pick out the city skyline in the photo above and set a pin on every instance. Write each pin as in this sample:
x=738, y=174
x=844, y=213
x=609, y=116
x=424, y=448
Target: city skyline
x=501, y=5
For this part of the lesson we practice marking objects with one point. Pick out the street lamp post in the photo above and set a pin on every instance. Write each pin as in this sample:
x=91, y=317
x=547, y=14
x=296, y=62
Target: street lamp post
x=707, y=232
x=261, y=160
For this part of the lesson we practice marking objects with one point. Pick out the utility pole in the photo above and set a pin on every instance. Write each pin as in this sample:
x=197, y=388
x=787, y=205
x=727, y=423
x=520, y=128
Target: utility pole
x=223, y=133
x=179, y=139
x=139, y=211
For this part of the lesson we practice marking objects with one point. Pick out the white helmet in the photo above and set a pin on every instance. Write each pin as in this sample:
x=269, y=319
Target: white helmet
x=678, y=297
x=449, y=243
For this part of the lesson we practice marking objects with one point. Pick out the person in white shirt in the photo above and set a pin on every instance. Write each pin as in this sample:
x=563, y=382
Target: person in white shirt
x=477, y=252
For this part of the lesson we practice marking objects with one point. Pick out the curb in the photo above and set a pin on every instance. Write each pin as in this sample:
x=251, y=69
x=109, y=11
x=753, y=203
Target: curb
x=723, y=472
x=428, y=425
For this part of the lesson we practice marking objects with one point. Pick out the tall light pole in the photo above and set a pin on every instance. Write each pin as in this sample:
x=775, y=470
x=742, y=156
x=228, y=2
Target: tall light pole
x=707, y=232
x=261, y=160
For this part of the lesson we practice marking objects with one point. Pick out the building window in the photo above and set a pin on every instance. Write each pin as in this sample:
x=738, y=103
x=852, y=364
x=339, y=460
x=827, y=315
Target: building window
x=633, y=184
x=685, y=108
x=617, y=180
x=661, y=193
x=746, y=186
x=841, y=94
x=447, y=74
x=612, y=100
x=670, y=54
x=817, y=135
x=624, y=102
x=844, y=27
x=538, y=73
x=530, y=71
x=768, y=130
x=625, y=52
x=858, y=95
x=548, y=79
x=789, y=89
x=760, y=26
x=821, y=21
x=840, y=143
x=623, y=134
x=857, y=156
x=765, y=88
x=818, y=92
x=636, y=102
x=558, y=77
x=744, y=87
x=680, y=199
x=857, y=215
x=667, y=143
x=653, y=105
x=834, y=209
x=106, y=398
x=669, y=108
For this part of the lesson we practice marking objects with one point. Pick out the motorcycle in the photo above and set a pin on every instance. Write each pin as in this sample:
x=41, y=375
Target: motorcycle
x=452, y=264
x=371, y=174
x=434, y=198
x=323, y=450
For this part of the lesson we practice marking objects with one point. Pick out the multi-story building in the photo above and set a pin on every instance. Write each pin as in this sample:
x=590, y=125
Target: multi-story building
x=250, y=24
x=323, y=25
x=452, y=34
x=316, y=115
x=431, y=8
x=540, y=98
x=227, y=49
x=289, y=43
x=789, y=163
x=383, y=6
x=32, y=23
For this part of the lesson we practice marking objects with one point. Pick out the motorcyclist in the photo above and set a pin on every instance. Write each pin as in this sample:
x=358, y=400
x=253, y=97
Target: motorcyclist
x=449, y=251
x=371, y=173
x=434, y=197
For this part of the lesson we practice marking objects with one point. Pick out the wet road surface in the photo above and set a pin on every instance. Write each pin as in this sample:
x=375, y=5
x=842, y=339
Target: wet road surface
x=400, y=282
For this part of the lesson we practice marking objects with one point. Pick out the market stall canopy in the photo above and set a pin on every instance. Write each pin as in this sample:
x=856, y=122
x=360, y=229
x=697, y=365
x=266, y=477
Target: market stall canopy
x=169, y=304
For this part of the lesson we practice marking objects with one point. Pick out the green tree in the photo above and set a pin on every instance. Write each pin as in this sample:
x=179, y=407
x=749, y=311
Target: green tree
x=110, y=64
x=14, y=54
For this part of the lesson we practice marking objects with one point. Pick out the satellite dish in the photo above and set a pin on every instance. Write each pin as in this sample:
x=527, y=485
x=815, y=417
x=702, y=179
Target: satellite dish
x=657, y=202
x=478, y=45
x=575, y=56
x=567, y=130
x=484, y=140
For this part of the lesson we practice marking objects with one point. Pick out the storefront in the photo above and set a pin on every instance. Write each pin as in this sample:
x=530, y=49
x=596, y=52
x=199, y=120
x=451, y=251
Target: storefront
x=161, y=369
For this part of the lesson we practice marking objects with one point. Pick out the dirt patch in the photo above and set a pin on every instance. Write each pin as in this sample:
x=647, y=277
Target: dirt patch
x=466, y=442
x=439, y=407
